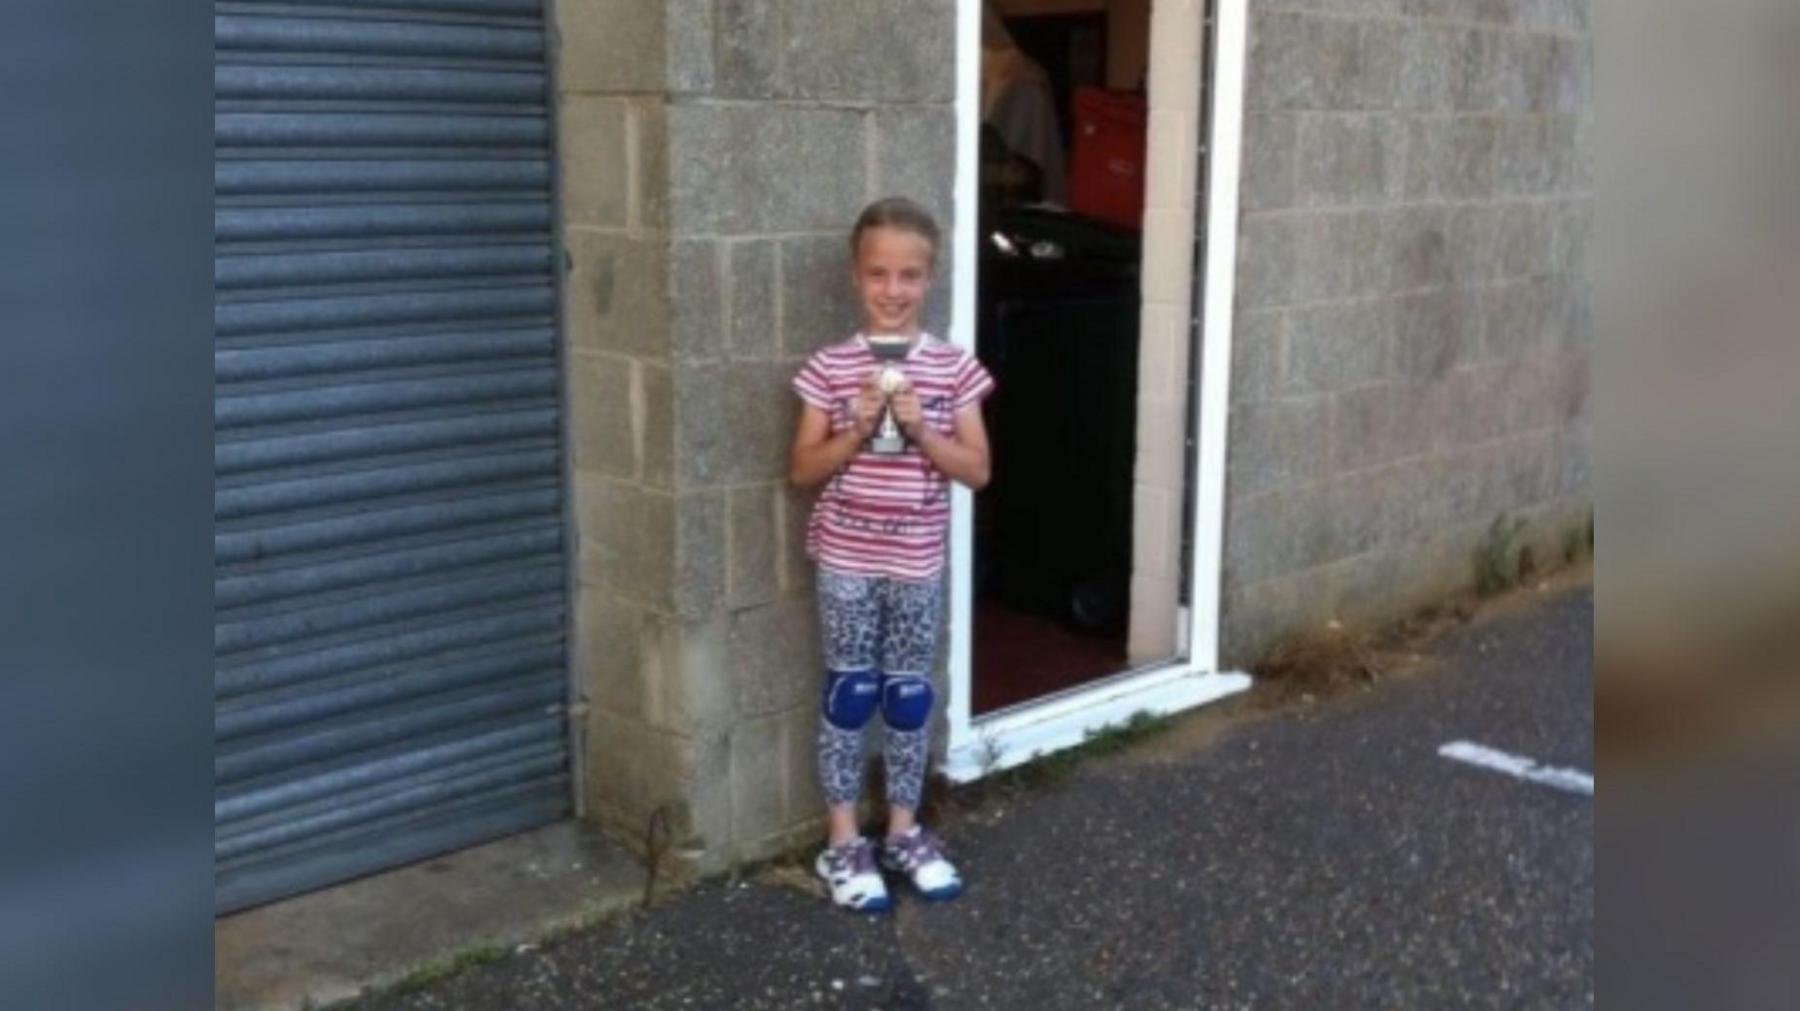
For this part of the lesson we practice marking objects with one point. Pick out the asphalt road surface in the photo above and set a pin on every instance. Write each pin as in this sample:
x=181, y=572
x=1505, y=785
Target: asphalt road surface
x=1321, y=857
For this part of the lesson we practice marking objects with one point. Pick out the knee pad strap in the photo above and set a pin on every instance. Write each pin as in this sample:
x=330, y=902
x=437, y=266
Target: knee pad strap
x=851, y=698
x=906, y=701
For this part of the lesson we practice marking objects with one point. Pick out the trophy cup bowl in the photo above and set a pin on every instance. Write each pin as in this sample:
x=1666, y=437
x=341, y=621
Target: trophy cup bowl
x=888, y=440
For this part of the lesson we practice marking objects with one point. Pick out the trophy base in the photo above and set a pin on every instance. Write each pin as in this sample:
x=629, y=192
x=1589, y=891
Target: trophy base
x=888, y=446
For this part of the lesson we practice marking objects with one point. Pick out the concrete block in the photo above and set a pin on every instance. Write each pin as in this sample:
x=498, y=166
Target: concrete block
x=697, y=299
x=653, y=417
x=1476, y=87
x=1517, y=318
x=650, y=196
x=1279, y=443
x=1155, y=533
x=1270, y=142
x=600, y=416
x=1427, y=147
x=1151, y=635
x=1494, y=11
x=1571, y=470
x=616, y=294
x=1399, y=500
x=750, y=44
x=1570, y=326
x=1434, y=246
x=691, y=41
x=886, y=50
x=1362, y=507
x=1572, y=238
x=1168, y=251
x=1428, y=70
x=1255, y=616
x=1162, y=453
x=1471, y=165
x=608, y=637
x=1471, y=409
x=701, y=674
x=1174, y=152
x=750, y=533
x=1337, y=346
x=915, y=156
x=627, y=540
x=1351, y=158
x=775, y=656
x=1339, y=255
x=739, y=169
x=1268, y=253
x=593, y=150
x=1526, y=157
x=751, y=298
x=818, y=304
x=633, y=769
x=1280, y=72
x=1419, y=251
x=1381, y=424
x=1300, y=61
x=709, y=799
x=609, y=46
x=1522, y=241
x=1165, y=334
x=1571, y=74
x=734, y=423
x=758, y=790
x=1257, y=350
x=1173, y=76
x=700, y=552
x=1374, y=78
x=1434, y=332
x=1278, y=532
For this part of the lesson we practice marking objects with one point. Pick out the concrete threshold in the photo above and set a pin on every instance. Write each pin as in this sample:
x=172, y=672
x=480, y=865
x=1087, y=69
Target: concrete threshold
x=329, y=946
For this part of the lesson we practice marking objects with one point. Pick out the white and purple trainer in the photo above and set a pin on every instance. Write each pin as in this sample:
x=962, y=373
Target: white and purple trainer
x=849, y=868
x=919, y=854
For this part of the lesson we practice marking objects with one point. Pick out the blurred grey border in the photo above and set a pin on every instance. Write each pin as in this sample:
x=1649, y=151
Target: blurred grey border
x=1698, y=492
x=105, y=505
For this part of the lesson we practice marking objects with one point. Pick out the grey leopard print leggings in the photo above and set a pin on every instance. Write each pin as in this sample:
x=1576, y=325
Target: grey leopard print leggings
x=889, y=625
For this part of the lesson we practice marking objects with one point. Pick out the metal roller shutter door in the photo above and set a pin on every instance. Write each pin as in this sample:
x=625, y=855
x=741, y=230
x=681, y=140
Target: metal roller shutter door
x=390, y=582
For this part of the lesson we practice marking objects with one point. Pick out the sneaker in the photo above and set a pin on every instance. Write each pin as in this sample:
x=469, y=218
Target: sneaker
x=850, y=871
x=919, y=854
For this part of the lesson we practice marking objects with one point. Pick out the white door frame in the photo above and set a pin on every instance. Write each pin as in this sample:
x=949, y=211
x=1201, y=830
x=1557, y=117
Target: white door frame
x=995, y=741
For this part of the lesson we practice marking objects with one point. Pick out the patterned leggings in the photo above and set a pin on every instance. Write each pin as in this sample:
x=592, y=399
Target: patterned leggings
x=889, y=625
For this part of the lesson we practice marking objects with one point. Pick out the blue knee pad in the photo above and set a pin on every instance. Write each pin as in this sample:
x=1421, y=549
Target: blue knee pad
x=851, y=697
x=906, y=701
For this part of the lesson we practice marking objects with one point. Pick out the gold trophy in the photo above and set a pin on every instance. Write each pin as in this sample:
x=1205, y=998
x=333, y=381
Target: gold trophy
x=888, y=440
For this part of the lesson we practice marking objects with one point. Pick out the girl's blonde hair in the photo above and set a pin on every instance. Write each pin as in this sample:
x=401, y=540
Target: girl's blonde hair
x=895, y=212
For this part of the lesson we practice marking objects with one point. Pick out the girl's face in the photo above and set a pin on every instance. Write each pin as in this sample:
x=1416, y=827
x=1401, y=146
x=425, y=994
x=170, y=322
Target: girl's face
x=892, y=274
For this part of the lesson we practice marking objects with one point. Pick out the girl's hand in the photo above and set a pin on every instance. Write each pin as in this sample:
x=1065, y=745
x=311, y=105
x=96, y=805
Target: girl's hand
x=909, y=412
x=865, y=410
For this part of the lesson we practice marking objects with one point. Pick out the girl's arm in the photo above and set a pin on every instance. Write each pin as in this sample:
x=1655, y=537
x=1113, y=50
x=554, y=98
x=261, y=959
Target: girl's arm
x=962, y=455
x=817, y=454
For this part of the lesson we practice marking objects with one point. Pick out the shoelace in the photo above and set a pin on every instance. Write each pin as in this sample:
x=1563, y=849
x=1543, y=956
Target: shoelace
x=855, y=858
x=917, y=850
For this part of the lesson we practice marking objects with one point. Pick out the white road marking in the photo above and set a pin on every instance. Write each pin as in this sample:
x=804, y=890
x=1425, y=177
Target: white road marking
x=1572, y=780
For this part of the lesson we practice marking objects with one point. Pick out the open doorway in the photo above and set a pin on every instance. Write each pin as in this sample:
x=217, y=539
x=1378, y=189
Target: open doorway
x=1080, y=548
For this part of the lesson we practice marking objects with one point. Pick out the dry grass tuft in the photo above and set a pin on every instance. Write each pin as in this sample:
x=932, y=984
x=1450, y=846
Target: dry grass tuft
x=1321, y=661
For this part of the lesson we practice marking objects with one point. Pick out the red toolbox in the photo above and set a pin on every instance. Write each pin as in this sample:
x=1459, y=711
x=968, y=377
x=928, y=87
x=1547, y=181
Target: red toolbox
x=1106, y=167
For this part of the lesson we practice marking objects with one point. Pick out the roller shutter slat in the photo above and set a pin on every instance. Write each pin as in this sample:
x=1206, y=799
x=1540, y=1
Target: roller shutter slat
x=273, y=177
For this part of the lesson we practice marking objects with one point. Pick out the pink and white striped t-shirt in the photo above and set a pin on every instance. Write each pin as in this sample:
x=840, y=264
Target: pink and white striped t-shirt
x=887, y=515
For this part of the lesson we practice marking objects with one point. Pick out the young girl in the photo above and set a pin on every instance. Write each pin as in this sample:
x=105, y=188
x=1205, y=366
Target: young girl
x=877, y=535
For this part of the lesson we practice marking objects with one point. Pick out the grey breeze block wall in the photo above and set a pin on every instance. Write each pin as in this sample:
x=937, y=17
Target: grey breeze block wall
x=713, y=155
x=1414, y=322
